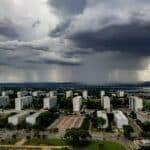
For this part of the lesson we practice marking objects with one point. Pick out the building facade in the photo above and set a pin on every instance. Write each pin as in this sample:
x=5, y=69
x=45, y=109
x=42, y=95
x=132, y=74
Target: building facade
x=77, y=102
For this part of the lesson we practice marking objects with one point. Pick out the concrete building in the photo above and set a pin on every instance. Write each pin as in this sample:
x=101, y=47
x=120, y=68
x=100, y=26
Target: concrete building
x=7, y=93
x=120, y=119
x=22, y=102
x=22, y=93
x=4, y=101
x=120, y=93
x=52, y=93
x=143, y=116
x=31, y=119
x=77, y=102
x=18, y=118
x=49, y=102
x=102, y=93
x=135, y=103
x=69, y=93
x=38, y=93
x=85, y=94
x=105, y=102
x=103, y=114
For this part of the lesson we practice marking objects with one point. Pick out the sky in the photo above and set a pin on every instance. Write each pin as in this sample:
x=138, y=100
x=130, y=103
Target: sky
x=89, y=41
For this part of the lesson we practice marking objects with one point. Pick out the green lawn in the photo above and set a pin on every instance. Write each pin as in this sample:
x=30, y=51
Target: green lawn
x=105, y=145
x=93, y=145
x=54, y=142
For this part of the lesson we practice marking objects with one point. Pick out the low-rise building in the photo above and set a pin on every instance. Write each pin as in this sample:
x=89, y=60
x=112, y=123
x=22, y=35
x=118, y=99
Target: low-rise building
x=31, y=119
x=143, y=116
x=49, y=102
x=22, y=102
x=85, y=94
x=38, y=93
x=18, y=118
x=7, y=93
x=135, y=103
x=4, y=101
x=69, y=93
x=77, y=102
x=120, y=119
x=103, y=115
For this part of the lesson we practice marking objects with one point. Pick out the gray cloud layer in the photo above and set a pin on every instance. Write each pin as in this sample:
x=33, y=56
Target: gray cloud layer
x=92, y=40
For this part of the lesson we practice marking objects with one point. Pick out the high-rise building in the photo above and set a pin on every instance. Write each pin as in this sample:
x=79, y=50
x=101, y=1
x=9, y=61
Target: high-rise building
x=105, y=102
x=85, y=94
x=120, y=93
x=49, y=102
x=69, y=93
x=52, y=93
x=135, y=103
x=22, y=102
x=77, y=102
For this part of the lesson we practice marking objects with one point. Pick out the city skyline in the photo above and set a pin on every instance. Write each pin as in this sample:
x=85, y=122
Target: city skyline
x=74, y=41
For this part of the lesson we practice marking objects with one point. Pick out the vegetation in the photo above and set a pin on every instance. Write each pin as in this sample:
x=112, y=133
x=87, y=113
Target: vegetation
x=127, y=131
x=93, y=104
x=77, y=137
x=147, y=105
x=86, y=124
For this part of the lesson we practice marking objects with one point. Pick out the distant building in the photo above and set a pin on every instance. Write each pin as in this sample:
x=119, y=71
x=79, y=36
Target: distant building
x=120, y=119
x=31, y=119
x=105, y=102
x=22, y=93
x=143, y=116
x=7, y=93
x=135, y=103
x=69, y=93
x=52, y=93
x=85, y=94
x=103, y=115
x=102, y=93
x=38, y=93
x=120, y=93
x=49, y=102
x=77, y=102
x=4, y=101
x=22, y=102
x=18, y=118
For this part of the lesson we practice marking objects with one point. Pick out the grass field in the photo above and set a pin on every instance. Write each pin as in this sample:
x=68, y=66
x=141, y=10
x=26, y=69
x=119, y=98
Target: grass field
x=93, y=145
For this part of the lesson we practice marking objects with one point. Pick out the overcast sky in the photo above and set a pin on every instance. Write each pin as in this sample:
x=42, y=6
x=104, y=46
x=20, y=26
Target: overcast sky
x=91, y=41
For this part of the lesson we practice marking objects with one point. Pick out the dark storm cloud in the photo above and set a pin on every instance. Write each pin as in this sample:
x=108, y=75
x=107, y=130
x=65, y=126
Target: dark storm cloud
x=8, y=29
x=68, y=7
x=131, y=38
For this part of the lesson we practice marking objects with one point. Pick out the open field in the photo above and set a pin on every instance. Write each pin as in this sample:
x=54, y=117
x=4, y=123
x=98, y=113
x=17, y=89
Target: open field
x=67, y=122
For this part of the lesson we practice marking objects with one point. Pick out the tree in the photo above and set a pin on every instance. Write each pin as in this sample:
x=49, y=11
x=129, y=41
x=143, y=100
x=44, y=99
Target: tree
x=77, y=137
x=127, y=131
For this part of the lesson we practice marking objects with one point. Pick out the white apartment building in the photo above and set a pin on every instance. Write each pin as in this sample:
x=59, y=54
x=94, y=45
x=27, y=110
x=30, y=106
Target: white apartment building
x=4, y=101
x=103, y=114
x=135, y=103
x=18, y=118
x=120, y=93
x=85, y=94
x=52, y=93
x=37, y=93
x=49, y=102
x=120, y=119
x=143, y=116
x=105, y=102
x=77, y=102
x=22, y=102
x=22, y=93
x=7, y=93
x=102, y=93
x=69, y=93
x=31, y=119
